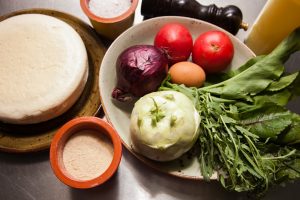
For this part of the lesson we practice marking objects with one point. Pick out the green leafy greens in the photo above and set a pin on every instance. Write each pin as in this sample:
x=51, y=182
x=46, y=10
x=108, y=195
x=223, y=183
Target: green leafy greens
x=247, y=134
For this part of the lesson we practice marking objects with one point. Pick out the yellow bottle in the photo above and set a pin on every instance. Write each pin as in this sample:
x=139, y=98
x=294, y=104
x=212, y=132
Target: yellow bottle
x=277, y=19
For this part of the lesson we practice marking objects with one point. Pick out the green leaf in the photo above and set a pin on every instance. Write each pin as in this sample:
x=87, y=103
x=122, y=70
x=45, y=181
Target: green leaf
x=283, y=82
x=255, y=171
x=280, y=98
x=292, y=135
x=228, y=120
x=289, y=167
x=295, y=87
x=267, y=121
x=222, y=76
x=289, y=171
x=245, y=66
x=262, y=74
x=246, y=132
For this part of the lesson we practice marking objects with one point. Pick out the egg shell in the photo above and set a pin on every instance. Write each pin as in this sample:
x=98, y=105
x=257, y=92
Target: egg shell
x=187, y=73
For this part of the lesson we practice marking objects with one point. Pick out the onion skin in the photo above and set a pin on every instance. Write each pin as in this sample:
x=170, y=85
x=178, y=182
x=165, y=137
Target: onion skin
x=140, y=70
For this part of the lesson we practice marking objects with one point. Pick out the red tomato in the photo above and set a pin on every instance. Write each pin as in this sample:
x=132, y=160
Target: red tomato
x=176, y=41
x=213, y=51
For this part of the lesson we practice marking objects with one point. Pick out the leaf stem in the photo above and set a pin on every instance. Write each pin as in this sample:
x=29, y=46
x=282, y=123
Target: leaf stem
x=280, y=157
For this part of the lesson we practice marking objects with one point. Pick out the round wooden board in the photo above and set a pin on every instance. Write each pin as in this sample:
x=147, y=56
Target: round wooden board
x=35, y=137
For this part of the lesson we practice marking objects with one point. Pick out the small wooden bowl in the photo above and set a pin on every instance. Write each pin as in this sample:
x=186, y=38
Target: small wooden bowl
x=110, y=28
x=73, y=127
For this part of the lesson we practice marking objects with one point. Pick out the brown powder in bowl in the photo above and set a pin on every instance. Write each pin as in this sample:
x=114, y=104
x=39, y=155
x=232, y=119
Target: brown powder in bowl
x=87, y=154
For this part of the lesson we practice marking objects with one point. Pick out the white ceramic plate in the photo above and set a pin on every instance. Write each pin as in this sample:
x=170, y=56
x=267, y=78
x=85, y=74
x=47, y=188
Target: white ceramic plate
x=118, y=114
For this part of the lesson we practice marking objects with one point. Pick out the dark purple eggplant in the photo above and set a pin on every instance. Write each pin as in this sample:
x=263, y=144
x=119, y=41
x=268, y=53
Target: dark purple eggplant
x=229, y=18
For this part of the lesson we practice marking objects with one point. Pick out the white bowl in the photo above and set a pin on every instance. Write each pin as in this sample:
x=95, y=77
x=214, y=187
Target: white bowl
x=118, y=114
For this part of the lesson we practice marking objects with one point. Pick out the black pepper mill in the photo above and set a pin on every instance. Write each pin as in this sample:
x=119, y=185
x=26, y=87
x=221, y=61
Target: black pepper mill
x=229, y=18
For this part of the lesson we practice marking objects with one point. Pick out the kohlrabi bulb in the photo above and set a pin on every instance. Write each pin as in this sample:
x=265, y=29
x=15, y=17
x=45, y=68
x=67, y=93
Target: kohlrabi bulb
x=164, y=125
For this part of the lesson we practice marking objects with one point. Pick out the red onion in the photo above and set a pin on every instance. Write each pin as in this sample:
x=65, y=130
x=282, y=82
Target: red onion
x=140, y=70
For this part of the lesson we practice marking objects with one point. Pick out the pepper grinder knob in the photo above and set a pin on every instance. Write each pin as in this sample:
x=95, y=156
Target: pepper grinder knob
x=230, y=17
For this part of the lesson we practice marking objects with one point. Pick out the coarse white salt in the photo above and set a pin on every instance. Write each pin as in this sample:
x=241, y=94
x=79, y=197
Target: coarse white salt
x=109, y=8
x=87, y=154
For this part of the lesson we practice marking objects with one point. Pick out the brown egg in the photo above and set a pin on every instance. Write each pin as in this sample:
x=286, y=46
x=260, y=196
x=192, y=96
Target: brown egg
x=187, y=73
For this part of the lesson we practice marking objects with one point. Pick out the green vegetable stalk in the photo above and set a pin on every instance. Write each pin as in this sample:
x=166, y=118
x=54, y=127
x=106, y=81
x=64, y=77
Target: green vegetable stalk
x=247, y=134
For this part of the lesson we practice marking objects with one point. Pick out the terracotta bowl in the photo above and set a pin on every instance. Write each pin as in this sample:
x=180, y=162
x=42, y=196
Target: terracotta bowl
x=110, y=28
x=62, y=136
